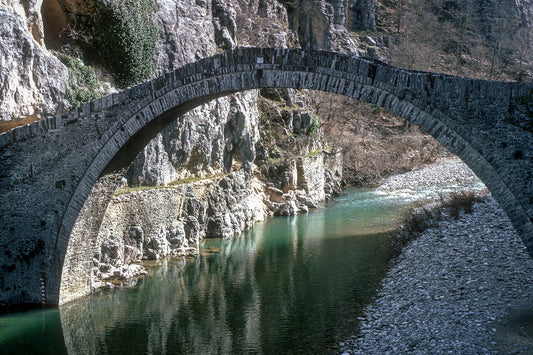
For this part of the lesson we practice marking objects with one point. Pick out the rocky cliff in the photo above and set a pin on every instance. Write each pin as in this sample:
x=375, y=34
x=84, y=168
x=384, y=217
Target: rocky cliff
x=329, y=24
x=256, y=154
x=217, y=139
x=32, y=80
x=156, y=223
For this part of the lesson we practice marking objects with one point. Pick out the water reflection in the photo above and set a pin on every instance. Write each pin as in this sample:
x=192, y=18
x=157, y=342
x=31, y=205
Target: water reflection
x=293, y=285
x=283, y=286
x=32, y=332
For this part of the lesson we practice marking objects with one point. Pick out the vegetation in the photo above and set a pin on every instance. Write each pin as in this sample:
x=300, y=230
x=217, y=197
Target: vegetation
x=282, y=141
x=122, y=36
x=458, y=202
x=375, y=142
x=129, y=189
x=189, y=180
x=83, y=84
x=443, y=36
x=315, y=124
x=193, y=179
x=314, y=153
x=419, y=218
x=274, y=161
x=8, y=125
x=447, y=36
x=260, y=29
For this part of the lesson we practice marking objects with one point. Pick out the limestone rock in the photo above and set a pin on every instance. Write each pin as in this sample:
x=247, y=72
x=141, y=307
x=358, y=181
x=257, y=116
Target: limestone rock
x=502, y=18
x=241, y=133
x=200, y=143
x=224, y=21
x=262, y=23
x=131, y=231
x=324, y=24
x=289, y=208
x=32, y=80
x=311, y=174
x=191, y=145
x=361, y=15
x=30, y=10
x=186, y=33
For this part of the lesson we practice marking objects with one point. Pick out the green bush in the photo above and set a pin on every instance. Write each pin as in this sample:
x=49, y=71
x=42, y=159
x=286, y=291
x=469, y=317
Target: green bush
x=315, y=124
x=83, y=84
x=123, y=36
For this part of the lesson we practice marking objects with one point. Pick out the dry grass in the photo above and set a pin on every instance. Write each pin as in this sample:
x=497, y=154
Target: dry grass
x=8, y=125
x=458, y=202
x=190, y=180
x=193, y=179
x=375, y=143
x=422, y=217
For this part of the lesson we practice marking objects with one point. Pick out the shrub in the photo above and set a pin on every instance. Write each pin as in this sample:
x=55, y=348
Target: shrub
x=314, y=153
x=457, y=202
x=122, y=35
x=83, y=84
x=315, y=124
x=422, y=217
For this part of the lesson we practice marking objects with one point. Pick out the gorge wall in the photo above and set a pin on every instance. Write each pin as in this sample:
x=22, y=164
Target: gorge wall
x=215, y=139
x=256, y=154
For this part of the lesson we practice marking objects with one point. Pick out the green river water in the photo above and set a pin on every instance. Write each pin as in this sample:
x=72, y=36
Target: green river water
x=290, y=285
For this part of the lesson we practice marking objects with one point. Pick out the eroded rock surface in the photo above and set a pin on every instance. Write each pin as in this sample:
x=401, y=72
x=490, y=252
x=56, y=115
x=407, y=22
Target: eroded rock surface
x=153, y=224
x=32, y=80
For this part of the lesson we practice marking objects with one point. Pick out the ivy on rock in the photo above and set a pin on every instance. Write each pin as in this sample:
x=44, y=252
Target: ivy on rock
x=122, y=37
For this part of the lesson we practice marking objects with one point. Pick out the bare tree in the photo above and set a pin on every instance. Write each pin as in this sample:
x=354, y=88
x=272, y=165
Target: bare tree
x=420, y=44
x=464, y=36
x=400, y=11
x=523, y=54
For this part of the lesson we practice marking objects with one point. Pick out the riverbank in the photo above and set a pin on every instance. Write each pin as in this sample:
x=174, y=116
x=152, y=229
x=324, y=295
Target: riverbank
x=464, y=286
x=448, y=171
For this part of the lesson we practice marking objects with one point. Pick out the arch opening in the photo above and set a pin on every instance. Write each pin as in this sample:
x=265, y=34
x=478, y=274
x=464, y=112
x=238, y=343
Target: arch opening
x=320, y=71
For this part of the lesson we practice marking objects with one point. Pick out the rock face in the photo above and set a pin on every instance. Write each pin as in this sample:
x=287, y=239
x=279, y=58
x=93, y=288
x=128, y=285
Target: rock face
x=325, y=24
x=199, y=143
x=224, y=136
x=194, y=144
x=170, y=221
x=502, y=18
x=153, y=224
x=361, y=15
x=186, y=33
x=32, y=80
x=216, y=138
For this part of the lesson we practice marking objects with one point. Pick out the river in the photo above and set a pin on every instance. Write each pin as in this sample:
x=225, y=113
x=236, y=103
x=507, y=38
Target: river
x=291, y=284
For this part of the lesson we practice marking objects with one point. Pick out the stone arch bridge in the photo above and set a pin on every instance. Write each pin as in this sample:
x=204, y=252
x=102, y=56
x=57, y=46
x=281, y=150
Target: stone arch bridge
x=57, y=176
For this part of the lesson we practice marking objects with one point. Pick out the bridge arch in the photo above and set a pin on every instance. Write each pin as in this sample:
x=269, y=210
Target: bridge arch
x=482, y=122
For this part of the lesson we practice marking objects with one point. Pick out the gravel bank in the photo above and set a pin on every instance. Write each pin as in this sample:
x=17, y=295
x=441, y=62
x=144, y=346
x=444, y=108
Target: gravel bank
x=464, y=287
x=453, y=170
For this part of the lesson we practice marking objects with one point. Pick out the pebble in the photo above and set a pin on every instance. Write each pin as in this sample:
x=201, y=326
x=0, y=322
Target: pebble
x=450, y=291
x=453, y=170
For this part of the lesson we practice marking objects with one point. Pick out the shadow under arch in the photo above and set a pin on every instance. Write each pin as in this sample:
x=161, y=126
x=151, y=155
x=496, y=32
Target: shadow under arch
x=430, y=101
